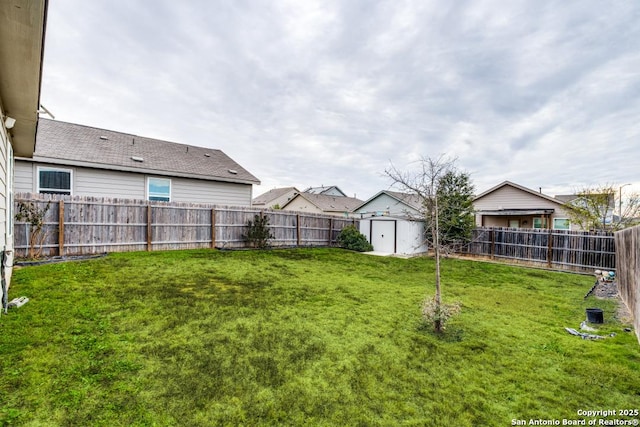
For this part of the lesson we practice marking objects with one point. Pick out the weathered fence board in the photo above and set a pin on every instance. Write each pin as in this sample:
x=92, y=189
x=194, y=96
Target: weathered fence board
x=86, y=225
x=570, y=250
x=628, y=271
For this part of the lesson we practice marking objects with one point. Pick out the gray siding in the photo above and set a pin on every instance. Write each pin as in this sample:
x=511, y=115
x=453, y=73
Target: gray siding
x=23, y=179
x=129, y=185
x=386, y=203
x=219, y=193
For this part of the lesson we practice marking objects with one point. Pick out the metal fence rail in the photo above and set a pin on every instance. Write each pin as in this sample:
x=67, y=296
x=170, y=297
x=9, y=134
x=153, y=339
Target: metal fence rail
x=88, y=225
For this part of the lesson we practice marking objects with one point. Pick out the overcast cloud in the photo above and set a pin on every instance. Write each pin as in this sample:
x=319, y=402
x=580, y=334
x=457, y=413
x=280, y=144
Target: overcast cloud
x=308, y=93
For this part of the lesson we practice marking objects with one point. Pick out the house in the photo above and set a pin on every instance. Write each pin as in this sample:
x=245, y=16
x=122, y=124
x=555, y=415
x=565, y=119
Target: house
x=86, y=161
x=327, y=191
x=22, y=30
x=512, y=205
x=275, y=198
x=322, y=204
x=392, y=222
x=392, y=203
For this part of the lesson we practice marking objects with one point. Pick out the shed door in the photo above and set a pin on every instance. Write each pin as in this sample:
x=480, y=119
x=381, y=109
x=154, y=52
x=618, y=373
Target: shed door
x=383, y=236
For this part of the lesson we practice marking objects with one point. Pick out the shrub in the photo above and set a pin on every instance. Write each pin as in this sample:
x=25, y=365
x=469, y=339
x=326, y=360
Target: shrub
x=30, y=213
x=350, y=238
x=258, y=234
x=438, y=314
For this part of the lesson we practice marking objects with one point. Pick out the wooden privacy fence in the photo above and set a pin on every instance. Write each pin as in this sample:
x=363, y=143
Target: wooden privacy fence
x=628, y=271
x=89, y=225
x=563, y=249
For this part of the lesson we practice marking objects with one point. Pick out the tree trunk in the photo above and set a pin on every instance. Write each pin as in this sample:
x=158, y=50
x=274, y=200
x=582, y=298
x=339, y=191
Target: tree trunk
x=435, y=231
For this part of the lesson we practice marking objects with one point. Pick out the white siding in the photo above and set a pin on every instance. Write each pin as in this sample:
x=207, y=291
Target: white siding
x=409, y=235
x=129, y=185
x=4, y=186
x=6, y=182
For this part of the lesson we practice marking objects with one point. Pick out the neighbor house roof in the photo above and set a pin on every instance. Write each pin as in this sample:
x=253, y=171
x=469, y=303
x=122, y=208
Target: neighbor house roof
x=329, y=203
x=274, y=194
x=324, y=190
x=519, y=187
x=22, y=29
x=78, y=145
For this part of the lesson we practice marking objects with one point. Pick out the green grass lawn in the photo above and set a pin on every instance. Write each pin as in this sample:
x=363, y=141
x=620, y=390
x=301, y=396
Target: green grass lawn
x=302, y=337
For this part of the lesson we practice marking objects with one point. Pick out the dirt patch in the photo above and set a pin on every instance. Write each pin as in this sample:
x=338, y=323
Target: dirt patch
x=609, y=290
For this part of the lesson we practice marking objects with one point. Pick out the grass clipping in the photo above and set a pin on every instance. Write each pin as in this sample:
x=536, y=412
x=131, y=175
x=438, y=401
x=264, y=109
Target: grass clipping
x=438, y=314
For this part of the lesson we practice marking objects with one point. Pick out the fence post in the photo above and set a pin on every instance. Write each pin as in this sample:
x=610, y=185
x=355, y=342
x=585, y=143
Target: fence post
x=61, y=228
x=298, y=237
x=550, y=248
x=330, y=230
x=149, y=229
x=213, y=228
x=492, y=239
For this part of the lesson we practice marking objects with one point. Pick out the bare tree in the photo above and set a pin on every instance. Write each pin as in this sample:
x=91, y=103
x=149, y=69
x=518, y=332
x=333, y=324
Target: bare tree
x=425, y=183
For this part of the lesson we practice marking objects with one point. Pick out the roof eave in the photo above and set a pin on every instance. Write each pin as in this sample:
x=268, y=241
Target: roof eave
x=22, y=34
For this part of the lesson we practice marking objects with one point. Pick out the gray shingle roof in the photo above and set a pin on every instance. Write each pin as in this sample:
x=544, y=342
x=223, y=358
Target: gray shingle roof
x=73, y=144
x=331, y=203
x=273, y=194
x=324, y=190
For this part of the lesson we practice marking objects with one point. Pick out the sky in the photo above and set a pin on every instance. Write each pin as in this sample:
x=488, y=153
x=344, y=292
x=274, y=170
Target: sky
x=303, y=93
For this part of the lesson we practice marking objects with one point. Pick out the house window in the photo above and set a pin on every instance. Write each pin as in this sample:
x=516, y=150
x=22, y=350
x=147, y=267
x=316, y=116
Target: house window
x=159, y=189
x=561, y=224
x=539, y=222
x=54, y=181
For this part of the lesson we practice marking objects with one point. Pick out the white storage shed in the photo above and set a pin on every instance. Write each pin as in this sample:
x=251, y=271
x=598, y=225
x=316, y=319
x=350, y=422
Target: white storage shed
x=394, y=234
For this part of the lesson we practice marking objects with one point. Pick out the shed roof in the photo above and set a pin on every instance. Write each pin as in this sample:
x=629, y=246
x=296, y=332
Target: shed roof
x=78, y=145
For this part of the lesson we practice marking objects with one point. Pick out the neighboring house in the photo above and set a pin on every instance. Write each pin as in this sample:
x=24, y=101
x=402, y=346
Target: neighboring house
x=322, y=204
x=327, y=191
x=512, y=205
x=86, y=161
x=392, y=223
x=391, y=203
x=602, y=203
x=22, y=29
x=275, y=198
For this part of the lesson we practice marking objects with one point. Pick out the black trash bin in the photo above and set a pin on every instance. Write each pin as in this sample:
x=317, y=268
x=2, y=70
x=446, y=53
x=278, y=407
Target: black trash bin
x=595, y=315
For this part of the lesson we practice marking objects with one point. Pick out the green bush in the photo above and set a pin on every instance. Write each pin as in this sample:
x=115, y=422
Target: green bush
x=350, y=238
x=258, y=234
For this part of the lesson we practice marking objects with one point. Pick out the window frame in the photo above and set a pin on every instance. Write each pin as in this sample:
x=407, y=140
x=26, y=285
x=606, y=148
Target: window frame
x=568, y=222
x=39, y=188
x=149, y=194
x=544, y=222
